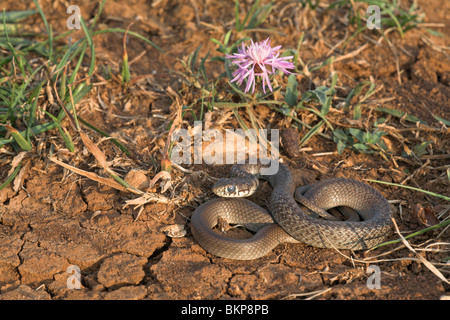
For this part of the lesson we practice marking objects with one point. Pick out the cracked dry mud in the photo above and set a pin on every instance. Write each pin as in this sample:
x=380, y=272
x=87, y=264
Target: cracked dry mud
x=57, y=219
x=121, y=258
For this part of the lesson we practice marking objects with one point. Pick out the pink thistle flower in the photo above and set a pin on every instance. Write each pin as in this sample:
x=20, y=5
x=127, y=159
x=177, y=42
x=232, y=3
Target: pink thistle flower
x=258, y=59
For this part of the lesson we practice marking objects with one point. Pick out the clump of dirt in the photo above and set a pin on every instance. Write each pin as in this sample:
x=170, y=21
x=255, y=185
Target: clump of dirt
x=54, y=220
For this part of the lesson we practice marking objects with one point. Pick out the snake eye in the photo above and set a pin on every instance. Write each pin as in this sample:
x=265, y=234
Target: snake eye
x=231, y=189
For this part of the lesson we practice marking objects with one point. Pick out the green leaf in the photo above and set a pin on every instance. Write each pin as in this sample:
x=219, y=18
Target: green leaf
x=361, y=146
x=321, y=96
x=383, y=146
x=421, y=149
x=340, y=146
x=291, y=91
x=340, y=134
x=326, y=106
x=379, y=121
x=354, y=92
x=376, y=136
x=446, y=122
x=227, y=38
x=358, y=134
x=367, y=137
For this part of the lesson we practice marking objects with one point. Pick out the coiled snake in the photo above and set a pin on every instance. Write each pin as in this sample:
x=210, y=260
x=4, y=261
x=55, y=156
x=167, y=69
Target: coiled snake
x=288, y=222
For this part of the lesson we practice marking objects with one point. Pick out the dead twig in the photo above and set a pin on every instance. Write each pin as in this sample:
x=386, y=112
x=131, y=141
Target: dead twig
x=430, y=266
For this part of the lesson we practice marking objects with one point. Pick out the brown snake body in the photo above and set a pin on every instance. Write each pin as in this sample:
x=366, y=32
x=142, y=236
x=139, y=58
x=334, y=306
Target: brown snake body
x=287, y=221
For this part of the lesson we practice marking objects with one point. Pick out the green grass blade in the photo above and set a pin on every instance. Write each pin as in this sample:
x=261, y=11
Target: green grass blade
x=230, y=104
x=48, y=28
x=355, y=92
x=77, y=94
x=43, y=127
x=237, y=22
x=18, y=137
x=90, y=44
x=125, y=69
x=63, y=131
x=311, y=133
x=319, y=114
x=63, y=85
x=323, y=64
x=397, y=23
x=414, y=234
x=5, y=141
x=412, y=188
x=33, y=100
x=12, y=176
x=114, y=141
x=444, y=121
x=262, y=12
x=398, y=114
x=99, y=12
x=193, y=57
x=16, y=16
x=137, y=35
x=243, y=125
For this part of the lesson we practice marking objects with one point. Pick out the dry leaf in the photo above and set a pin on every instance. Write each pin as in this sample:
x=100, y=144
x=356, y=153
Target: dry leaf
x=162, y=175
x=109, y=182
x=175, y=230
x=19, y=178
x=96, y=152
x=426, y=216
x=15, y=162
x=146, y=198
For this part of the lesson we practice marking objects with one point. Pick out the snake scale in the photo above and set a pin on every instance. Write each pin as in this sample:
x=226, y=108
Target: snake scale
x=287, y=221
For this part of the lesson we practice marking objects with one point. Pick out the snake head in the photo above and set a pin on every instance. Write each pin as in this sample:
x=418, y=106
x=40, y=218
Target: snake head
x=234, y=188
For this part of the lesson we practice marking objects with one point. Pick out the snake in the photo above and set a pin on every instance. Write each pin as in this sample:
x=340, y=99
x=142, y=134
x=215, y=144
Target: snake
x=286, y=221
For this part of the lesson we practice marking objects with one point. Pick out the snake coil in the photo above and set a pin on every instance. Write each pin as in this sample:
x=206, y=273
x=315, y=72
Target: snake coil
x=287, y=221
